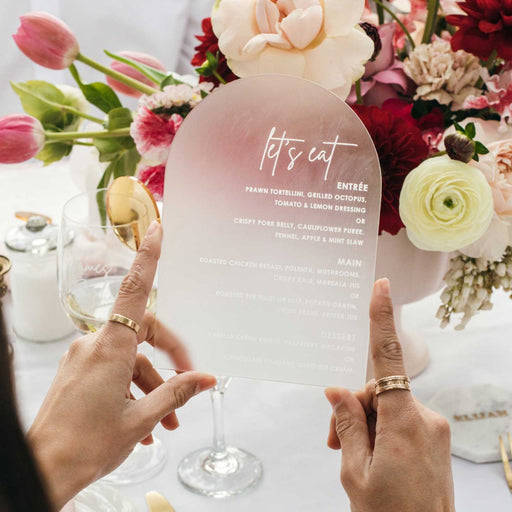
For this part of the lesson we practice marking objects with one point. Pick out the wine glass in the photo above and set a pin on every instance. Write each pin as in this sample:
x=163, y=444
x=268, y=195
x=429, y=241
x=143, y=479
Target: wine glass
x=219, y=471
x=92, y=262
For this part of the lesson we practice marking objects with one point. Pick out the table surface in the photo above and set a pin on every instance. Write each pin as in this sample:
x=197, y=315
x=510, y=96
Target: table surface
x=284, y=425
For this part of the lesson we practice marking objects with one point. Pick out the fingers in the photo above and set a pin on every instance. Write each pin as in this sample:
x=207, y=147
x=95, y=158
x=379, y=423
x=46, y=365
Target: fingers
x=351, y=430
x=136, y=286
x=157, y=334
x=385, y=348
x=333, y=441
x=171, y=395
x=146, y=378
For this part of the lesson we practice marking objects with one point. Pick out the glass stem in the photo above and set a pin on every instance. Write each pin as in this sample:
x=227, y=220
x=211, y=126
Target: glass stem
x=217, y=395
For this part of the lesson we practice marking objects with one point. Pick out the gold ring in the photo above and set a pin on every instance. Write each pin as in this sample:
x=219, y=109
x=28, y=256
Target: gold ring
x=392, y=382
x=120, y=319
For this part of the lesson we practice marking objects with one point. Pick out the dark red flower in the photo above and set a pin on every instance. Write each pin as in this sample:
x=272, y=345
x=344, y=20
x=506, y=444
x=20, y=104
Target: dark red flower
x=210, y=43
x=431, y=125
x=401, y=148
x=486, y=26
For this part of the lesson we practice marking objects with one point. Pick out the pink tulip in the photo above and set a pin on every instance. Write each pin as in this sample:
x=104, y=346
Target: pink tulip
x=21, y=138
x=46, y=40
x=144, y=58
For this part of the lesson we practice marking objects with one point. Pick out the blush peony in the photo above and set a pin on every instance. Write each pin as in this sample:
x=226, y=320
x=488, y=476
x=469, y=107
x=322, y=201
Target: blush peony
x=320, y=41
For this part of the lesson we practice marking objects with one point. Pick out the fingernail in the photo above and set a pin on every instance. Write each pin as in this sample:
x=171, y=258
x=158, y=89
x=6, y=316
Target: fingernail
x=333, y=395
x=382, y=287
x=153, y=227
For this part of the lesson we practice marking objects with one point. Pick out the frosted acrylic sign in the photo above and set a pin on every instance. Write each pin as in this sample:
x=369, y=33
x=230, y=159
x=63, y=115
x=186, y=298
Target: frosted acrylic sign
x=271, y=212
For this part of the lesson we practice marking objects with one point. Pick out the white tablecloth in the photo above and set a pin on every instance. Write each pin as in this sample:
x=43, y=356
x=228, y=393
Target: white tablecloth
x=284, y=425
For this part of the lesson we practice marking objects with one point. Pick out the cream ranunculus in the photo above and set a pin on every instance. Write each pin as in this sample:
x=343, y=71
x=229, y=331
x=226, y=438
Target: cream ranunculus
x=313, y=39
x=445, y=204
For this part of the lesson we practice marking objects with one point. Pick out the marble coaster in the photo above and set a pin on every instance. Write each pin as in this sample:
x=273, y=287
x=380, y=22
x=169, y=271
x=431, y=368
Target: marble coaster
x=477, y=416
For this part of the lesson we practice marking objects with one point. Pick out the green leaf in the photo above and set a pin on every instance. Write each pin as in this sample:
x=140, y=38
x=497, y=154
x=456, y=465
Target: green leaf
x=213, y=60
x=480, y=149
x=459, y=128
x=40, y=100
x=97, y=93
x=471, y=130
x=170, y=80
x=54, y=151
x=155, y=75
x=119, y=118
x=475, y=158
x=125, y=164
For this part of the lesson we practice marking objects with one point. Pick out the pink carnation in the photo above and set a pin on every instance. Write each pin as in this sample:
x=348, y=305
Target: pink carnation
x=153, y=177
x=498, y=95
x=154, y=133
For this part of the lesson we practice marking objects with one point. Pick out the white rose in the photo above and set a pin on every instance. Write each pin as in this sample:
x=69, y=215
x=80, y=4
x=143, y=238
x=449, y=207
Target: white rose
x=445, y=205
x=319, y=41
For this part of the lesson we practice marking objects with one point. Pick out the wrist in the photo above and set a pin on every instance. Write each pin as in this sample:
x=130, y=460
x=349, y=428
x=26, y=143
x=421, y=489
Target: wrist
x=63, y=474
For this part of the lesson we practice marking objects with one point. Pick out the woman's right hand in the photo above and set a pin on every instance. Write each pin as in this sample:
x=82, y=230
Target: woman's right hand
x=396, y=452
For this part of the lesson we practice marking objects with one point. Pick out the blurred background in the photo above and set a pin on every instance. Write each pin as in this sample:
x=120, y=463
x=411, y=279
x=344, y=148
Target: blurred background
x=162, y=28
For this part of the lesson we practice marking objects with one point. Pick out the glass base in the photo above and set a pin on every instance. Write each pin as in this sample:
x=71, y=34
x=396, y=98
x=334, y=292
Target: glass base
x=202, y=473
x=142, y=464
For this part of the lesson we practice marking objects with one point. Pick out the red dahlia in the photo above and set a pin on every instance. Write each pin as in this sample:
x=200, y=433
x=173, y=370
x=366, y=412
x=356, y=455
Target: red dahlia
x=486, y=26
x=210, y=43
x=401, y=148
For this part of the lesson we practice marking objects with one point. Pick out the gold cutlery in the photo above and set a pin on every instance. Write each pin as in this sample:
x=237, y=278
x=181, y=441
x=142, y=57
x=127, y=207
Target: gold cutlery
x=157, y=503
x=504, y=458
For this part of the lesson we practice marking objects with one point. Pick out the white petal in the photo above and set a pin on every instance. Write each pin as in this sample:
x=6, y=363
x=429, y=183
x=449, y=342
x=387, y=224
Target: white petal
x=267, y=15
x=258, y=43
x=234, y=24
x=302, y=26
x=286, y=6
x=338, y=62
x=270, y=60
x=341, y=16
x=304, y=4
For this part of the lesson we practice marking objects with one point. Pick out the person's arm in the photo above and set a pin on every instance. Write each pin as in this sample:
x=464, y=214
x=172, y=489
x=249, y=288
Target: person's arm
x=88, y=423
x=396, y=452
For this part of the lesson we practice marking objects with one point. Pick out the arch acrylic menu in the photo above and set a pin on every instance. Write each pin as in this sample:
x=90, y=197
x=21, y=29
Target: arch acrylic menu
x=270, y=219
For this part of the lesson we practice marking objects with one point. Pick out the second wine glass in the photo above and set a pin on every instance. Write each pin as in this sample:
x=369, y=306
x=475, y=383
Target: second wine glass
x=219, y=471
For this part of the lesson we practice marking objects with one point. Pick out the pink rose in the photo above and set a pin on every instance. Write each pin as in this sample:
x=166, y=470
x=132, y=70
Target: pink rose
x=21, y=138
x=153, y=177
x=127, y=70
x=384, y=78
x=154, y=133
x=46, y=40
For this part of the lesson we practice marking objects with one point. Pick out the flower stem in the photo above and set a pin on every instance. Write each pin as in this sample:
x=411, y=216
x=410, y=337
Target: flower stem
x=440, y=153
x=75, y=112
x=358, y=93
x=430, y=24
x=400, y=24
x=104, y=134
x=380, y=13
x=120, y=77
x=218, y=77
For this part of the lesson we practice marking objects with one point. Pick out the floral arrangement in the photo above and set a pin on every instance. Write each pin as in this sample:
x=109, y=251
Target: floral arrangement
x=430, y=79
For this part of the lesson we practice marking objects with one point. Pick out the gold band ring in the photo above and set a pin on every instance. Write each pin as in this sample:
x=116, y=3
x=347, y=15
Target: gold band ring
x=392, y=382
x=120, y=319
